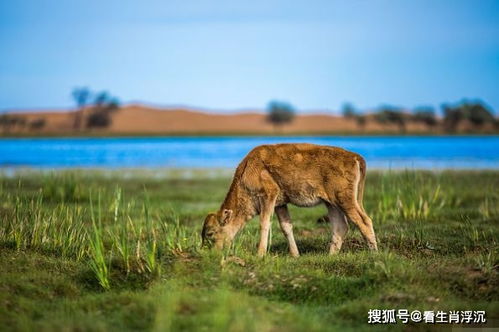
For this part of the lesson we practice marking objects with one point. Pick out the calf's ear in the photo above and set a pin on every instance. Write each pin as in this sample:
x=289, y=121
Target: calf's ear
x=226, y=214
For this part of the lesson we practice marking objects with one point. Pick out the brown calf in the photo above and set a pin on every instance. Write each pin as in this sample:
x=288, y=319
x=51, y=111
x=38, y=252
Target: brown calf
x=271, y=176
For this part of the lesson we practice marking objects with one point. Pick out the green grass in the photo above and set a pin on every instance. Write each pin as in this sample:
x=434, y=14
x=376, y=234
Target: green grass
x=97, y=251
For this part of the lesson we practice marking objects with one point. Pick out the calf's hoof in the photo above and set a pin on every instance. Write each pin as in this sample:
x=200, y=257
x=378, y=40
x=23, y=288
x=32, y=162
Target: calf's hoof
x=261, y=253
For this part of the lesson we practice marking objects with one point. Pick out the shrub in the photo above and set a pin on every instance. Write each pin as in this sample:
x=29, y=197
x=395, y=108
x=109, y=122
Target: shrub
x=37, y=124
x=425, y=115
x=475, y=112
x=391, y=115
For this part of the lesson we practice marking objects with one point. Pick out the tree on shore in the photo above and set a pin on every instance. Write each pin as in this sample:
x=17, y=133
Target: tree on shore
x=479, y=114
x=475, y=112
x=98, y=110
x=350, y=112
x=425, y=115
x=361, y=120
x=452, y=117
x=11, y=121
x=391, y=115
x=280, y=113
x=37, y=124
x=80, y=96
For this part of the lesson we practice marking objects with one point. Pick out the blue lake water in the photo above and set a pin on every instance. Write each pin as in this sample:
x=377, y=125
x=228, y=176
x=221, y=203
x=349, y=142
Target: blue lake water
x=226, y=152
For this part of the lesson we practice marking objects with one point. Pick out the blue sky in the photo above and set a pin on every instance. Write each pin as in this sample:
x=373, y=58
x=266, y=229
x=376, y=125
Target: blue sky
x=231, y=55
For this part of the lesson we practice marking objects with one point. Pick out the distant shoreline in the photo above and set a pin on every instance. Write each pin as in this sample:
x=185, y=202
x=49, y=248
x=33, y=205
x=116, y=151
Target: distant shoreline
x=238, y=134
x=140, y=121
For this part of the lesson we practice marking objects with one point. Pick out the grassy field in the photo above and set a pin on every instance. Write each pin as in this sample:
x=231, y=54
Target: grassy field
x=103, y=251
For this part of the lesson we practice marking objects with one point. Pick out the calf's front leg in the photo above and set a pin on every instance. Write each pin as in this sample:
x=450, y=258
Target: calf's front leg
x=267, y=207
x=287, y=229
x=267, y=204
x=264, y=232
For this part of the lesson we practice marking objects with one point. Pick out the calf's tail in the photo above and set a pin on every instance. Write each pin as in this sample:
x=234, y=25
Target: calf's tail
x=362, y=179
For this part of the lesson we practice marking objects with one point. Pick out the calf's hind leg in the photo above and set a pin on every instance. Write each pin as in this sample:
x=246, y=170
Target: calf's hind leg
x=365, y=224
x=347, y=201
x=339, y=228
x=287, y=228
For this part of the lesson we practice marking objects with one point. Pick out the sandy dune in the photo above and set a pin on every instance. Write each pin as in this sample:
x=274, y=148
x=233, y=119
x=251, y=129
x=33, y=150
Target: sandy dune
x=139, y=119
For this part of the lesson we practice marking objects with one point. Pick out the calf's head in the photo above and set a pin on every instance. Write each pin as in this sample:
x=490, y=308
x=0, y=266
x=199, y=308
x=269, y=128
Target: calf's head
x=216, y=229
